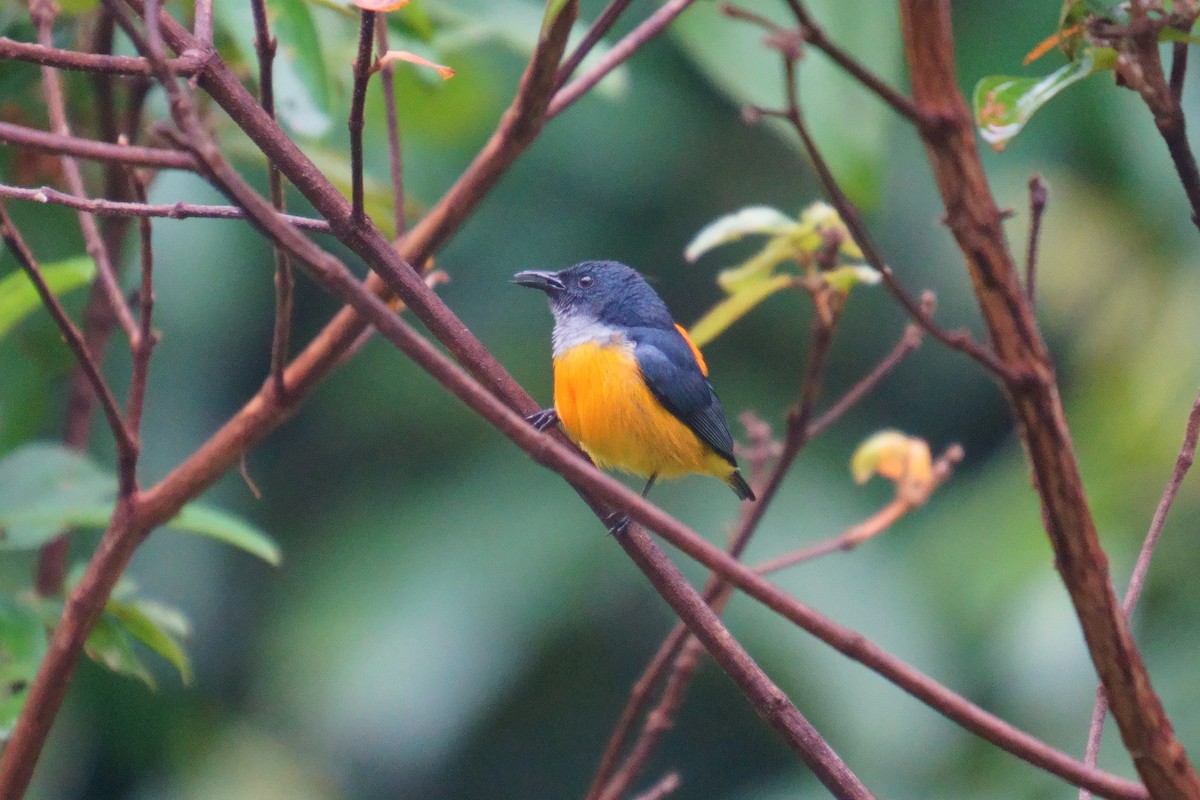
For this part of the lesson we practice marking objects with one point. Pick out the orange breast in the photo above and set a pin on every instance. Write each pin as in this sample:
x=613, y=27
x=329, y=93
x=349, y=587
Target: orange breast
x=607, y=410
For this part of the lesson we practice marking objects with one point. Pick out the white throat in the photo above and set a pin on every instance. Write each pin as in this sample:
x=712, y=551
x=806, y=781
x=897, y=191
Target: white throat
x=574, y=329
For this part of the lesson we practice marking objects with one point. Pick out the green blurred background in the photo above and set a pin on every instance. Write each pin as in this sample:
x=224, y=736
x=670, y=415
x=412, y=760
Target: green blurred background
x=450, y=621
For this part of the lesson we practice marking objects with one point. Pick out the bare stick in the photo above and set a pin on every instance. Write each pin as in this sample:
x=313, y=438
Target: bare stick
x=202, y=22
x=43, y=13
x=264, y=46
x=1037, y=206
x=387, y=83
x=906, y=501
x=665, y=786
x=362, y=74
x=1183, y=463
x=608, y=17
x=619, y=54
x=146, y=338
x=975, y=221
x=126, y=441
x=117, y=208
x=11, y=50
x=97, y=151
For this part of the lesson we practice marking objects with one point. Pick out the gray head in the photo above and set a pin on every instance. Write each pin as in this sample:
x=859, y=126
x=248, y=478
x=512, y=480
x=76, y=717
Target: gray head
x=605, y=292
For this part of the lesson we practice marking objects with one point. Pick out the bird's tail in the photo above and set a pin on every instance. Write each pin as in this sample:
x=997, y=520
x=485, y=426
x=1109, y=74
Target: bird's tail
x=739, y=486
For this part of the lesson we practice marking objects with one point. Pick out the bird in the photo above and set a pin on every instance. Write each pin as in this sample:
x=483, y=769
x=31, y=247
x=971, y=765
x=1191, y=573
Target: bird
x=630, y=387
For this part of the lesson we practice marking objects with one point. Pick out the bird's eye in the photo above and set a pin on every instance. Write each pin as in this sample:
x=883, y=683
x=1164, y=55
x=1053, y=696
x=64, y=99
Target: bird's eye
x=586, y=281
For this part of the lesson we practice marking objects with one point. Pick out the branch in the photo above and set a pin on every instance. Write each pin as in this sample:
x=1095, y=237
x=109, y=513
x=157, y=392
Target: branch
x=608, y=17
x=156, y=157
x=119, y=208
x=1183, y=463
x=1037, y=207
x=94, y=63
x=43, y=13
x=264, y=46
x=358, y=99
x=976, y=224
x=126, y=441
x=620, y=52
x=395, y=155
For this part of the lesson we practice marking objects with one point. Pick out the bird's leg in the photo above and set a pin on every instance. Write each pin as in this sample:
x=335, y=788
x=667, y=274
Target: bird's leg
x=649, y=483
x=540, y=420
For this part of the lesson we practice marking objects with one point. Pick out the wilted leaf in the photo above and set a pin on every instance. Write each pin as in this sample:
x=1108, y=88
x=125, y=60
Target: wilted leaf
x=22, y=645
x=158, y=627
x=109, y=646
x=734, y=307
x=893, y=455
x=1003, y=104
x=380, y=5
x=19, y=298
x=731, y=227
x=392, y=56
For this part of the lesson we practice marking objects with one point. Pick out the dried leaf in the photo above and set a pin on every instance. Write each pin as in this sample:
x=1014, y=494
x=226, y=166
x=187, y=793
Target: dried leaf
x=895, y=456
x=392, y=56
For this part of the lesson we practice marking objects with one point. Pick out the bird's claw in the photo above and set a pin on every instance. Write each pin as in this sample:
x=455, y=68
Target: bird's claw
x=540, y=420
x=617, y=522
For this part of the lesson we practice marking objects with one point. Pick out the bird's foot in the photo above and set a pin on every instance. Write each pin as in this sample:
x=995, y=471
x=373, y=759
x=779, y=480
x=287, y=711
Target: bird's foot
x=540, y=420
x=617, y=522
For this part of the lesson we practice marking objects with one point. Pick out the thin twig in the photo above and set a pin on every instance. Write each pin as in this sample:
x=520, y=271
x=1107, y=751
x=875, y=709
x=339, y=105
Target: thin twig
x=1037, y=207
x=115, y=208
x=906, y=500
x=1183, y=463
x=146, y=337
x=126, y=441
x=43, y=13
x=666, y=785
x=816, y=36
x=97, y=151
x=202, y=22
x=387, y=83
x=617, y=55
x=264, y=46
x=12, y=50
x=358, y=100
x=608, y=17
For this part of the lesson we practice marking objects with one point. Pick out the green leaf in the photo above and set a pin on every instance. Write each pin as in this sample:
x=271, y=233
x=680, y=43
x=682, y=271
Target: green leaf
x=1003, y=104
x=227, y=528
x=22, y=646
x=732, y=227
x=110, y=647
x=157, y=626
x=47, y=488
x=734, y=307
x=19, y=298
x=43, y=489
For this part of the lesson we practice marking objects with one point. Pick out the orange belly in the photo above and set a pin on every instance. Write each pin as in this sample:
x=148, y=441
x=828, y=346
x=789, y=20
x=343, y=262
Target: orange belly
x=606, y=409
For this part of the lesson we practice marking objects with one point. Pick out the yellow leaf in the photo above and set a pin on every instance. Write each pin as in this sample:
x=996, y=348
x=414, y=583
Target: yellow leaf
x=776, y=251
x=895, y=456
x=734, y=307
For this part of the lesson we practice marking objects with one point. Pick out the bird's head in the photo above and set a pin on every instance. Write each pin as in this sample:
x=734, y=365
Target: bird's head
x=603, y=292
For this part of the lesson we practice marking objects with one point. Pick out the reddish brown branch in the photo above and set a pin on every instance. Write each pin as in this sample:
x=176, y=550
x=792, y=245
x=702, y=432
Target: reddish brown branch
x=126, y=440
x=1183, y=463
x=358, y=101
x=264, y=46
x=119, y=208
x=617, y=55
x=608, y=17
x=94, y=63
x=387, y=83
x=1037, y=207
x=43, y=13
x=133, y=155
x=975, y=221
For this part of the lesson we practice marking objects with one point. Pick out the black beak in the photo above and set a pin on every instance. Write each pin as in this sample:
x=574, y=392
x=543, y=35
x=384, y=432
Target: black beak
x=536, y=279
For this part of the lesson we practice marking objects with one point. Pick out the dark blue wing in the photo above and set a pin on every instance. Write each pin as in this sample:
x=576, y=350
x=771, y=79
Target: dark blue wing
x=676, y=381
